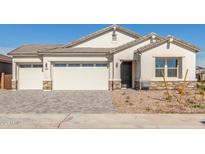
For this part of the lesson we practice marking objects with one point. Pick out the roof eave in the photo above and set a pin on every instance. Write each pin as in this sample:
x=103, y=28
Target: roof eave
x=67, y=53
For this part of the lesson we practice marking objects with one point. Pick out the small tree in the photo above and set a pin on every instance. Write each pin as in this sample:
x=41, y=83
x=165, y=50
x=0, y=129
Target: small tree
x=168, y=95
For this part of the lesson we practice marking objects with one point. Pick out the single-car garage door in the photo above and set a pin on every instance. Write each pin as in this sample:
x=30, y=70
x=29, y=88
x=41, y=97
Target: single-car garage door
x=30, y=76
x=87, y=76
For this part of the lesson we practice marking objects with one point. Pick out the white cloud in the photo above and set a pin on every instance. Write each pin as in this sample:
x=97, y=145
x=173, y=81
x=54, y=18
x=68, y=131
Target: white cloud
x=5, y=50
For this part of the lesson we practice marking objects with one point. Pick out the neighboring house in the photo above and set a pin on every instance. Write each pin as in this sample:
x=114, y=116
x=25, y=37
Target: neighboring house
x=5, y=64
x=111, y=58
x=200, y=73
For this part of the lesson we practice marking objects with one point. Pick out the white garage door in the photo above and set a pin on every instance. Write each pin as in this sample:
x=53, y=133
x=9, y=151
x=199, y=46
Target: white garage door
x=30, y=76
x=80, y=77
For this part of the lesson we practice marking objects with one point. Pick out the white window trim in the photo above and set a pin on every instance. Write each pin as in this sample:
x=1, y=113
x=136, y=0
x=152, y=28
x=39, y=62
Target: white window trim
x=166, y=68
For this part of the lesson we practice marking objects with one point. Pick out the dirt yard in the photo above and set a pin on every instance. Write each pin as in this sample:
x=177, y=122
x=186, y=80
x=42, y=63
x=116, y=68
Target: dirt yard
x=155, y=101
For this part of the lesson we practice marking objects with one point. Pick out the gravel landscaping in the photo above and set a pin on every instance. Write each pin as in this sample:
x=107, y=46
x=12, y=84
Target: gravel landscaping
x=154, y=101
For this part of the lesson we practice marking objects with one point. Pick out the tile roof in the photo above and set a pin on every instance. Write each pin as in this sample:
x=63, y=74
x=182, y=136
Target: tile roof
x=5, y=59
x=76, y=50
x=174, y=41
x=31, y=49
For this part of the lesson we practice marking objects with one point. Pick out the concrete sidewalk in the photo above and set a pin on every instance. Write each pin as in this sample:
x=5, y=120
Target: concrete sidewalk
x=102, y=120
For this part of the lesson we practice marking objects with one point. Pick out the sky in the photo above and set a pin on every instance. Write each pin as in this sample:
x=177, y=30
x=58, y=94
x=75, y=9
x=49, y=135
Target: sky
x=13, y=36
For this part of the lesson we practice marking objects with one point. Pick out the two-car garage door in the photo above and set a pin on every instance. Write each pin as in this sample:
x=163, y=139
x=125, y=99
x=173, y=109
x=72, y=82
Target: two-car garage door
x=86, y=76
x=65, y=76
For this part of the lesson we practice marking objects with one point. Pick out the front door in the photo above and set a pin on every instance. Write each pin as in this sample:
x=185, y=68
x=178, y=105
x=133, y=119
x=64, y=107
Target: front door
x=126, y=74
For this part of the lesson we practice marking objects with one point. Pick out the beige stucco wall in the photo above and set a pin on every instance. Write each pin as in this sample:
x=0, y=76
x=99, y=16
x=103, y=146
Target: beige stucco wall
x=148, y=62
x=127, y=54
x=105, y=41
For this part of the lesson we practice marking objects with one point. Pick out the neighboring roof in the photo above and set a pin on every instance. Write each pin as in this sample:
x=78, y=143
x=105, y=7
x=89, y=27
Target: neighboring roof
x=137, y=41
x=5, y=59
x=199, y=67
x=102, y=31
x=75, y=50
x=174, y=41
x=31, y=49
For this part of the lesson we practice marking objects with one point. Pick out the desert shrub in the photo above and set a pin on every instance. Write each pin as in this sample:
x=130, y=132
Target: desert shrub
x=147, y=108
x=130, y=103
x=128, y=97
x=127, y=101
x=201, y=106
x=190, y=101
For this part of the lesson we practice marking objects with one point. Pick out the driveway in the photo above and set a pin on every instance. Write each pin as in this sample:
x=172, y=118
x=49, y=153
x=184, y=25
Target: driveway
x=55, y=102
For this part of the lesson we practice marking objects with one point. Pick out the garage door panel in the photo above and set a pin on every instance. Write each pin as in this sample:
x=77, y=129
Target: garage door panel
x=30, y=78
x=80, y=78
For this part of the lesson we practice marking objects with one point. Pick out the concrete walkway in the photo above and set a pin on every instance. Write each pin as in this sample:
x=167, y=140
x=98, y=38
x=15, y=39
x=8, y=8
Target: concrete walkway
x=102, y=121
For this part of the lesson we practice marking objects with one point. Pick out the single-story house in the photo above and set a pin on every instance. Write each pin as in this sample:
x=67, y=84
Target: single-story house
x=200, y=73
x=5, y=64
x=111, y=58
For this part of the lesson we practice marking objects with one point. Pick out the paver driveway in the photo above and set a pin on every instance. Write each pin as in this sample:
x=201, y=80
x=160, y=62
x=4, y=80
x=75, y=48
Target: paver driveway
x=55, y=102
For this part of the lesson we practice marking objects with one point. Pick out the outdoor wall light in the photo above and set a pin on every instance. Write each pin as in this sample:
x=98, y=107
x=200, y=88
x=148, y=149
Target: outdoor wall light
x=46, y=66
x=116, y=64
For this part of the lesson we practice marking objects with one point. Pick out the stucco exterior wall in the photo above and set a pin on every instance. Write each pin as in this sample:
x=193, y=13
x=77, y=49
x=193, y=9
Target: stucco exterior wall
x=105, y=41
x=148, y=62
x=127, y=54
x=27, y=60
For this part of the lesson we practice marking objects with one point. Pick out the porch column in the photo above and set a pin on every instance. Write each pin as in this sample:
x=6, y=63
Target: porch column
x=117, y=75
x=47, y=82
x=14, y=74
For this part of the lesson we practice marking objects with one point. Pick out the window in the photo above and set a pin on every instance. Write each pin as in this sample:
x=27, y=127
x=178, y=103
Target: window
x=60, y=65
x=172, y=67
x=160, y=67
x=73, y=65
x=101, y=65
x=37, y=65
x=25, y=66
x=88, y=65
x=166, y=66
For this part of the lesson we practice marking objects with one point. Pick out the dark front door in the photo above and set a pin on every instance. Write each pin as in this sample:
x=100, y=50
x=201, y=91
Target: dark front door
x=126, y=74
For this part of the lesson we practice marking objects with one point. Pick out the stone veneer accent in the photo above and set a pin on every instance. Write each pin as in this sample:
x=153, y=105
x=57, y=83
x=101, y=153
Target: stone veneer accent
x=14, y=85
x=114, y=85
x=47, y=85
x=137, y=85
x=159, y=85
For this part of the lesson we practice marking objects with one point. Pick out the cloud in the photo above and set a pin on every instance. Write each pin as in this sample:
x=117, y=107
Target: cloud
x=5, y=50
